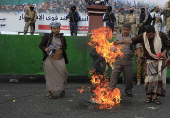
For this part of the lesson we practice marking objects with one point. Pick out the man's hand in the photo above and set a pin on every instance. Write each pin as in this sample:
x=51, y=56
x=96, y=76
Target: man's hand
x=47, y=49
x=161, y=55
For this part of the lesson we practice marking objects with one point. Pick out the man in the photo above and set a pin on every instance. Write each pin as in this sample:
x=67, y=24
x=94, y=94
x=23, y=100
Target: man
x=110, y=18
x=54, y=64
x=99, y=63
x=107, y=3
x=132, y=20
x=144, y=20
x=141, y=65
x=120, y=20
x=156, y=19
x=167, y=17
x=74, y=18
x=30, y=18
x=20, y=9
x=153, y=43
x=124, y=63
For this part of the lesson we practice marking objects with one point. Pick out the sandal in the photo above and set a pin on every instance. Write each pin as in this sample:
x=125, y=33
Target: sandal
x=156, y=101
x=62, y=94
x=51, y=96
x=148, y=100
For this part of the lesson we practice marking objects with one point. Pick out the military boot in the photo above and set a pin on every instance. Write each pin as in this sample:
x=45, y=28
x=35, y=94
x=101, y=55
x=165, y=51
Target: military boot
x=25, y=32
x=71, y=33
x=32, y=33
x=75, y=33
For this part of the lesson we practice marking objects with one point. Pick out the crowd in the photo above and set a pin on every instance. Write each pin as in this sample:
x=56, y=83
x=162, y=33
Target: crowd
x=63, y=6
x=49, y=6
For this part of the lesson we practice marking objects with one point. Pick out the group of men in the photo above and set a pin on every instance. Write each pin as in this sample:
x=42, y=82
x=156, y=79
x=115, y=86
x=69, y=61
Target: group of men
x=155, y=46
x=151, y=46
x=31, y=16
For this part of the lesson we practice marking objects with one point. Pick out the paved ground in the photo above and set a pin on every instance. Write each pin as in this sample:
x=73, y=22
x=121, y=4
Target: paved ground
x=27, y=100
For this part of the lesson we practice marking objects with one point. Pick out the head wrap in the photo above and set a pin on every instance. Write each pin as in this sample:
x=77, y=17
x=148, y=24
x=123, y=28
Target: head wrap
x=55, y=24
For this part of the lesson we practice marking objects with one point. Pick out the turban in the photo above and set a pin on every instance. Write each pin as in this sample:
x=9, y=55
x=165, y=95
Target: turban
x=55, y=24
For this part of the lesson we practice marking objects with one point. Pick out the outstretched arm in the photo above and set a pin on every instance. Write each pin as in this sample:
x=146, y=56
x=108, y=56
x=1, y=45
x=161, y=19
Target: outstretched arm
x=127, y=41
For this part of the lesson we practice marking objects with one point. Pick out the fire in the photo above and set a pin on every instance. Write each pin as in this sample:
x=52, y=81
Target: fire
x=100, y=40
x=103, y=94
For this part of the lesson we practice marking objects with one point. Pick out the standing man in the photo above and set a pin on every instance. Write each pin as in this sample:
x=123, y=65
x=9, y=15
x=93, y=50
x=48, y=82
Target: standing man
x=141, y=65
x=153, y=43
x=30, y=18
x=144, y=20
x=156, y=19
x=132, y=20
x=110, y=18
x=167, y=17
x=74, y=18
x=120, y=20
x=124, y=63
x=54, y=64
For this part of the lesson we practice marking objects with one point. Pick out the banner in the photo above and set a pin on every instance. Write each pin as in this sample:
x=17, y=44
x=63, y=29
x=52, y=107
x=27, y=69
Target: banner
x=12, y=12
x=15, y=22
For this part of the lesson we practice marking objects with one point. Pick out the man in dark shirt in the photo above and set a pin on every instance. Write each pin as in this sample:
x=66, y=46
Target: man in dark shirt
x=110, y=18
x=153, y=43
x=144, y=20
x=74, y=18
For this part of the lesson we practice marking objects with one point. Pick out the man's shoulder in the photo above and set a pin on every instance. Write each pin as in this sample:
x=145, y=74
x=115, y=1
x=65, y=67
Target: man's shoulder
x=119, y=36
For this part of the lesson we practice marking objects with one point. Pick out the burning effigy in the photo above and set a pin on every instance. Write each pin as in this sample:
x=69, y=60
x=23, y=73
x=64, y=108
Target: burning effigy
x=103, y=94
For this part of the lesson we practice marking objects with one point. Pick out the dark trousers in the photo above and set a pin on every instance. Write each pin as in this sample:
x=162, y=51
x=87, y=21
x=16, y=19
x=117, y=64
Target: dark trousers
x=111, y=25
x=73, y=28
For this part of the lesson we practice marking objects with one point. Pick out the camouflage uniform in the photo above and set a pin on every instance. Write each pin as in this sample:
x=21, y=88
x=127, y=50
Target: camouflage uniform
x=167, y=17
x=140, y=68
x=30, y=18
x=132, y=20
x=120, y=20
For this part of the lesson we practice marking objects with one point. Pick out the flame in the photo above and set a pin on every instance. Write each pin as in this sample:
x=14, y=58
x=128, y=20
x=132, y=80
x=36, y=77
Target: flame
x=105, y=96
x=100, y=40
